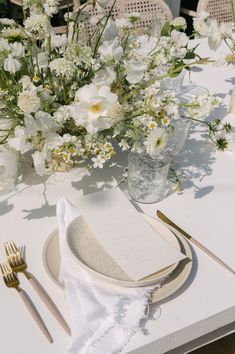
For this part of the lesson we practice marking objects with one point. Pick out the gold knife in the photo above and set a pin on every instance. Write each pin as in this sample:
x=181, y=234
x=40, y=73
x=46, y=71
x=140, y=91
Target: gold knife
x=169, y=222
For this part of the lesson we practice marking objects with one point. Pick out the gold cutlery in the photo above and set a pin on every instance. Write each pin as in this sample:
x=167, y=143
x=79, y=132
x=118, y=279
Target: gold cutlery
x=11, y=281
x=169, y=222
x=18, y=264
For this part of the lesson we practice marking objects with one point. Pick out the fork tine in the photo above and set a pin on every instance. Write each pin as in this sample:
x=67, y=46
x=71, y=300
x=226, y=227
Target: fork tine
x=14, y=247
x=7, y=249
x=2, y=269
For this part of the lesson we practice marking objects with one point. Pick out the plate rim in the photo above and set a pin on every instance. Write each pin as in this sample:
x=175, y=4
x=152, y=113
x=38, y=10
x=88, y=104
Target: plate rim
x=130, y=284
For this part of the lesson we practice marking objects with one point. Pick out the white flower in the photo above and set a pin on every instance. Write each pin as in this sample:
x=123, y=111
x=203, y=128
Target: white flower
x=51, y=7
x=59, y=41
x=93, y=106
x=98, y=161
x=110, y=32
x=156, y=141
x=62, y=114
x=180, y=38
x=27, y=84
x=29, y=102
x=226, y=29
x=17, y=50
x=135, y=71
x=13, y=33
x=4, y=45
x=104, y=77
x=19, y=142
x=7, y=22
x=179, y=22
x=110, y=50
x=63, y=67
x=214, y=36
x=38, y=26
x=201, y=26
x=11, y=64
x=42, y=59
x=124, y=145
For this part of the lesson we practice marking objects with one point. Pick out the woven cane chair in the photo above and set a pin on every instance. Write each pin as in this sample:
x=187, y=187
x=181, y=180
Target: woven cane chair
x=221, y=10
x=150, y=11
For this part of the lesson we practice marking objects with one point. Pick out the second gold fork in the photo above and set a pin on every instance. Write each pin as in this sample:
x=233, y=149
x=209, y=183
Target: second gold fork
x=18, y=264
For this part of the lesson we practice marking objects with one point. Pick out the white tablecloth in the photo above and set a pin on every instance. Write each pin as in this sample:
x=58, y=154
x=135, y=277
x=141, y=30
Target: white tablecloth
x=205, y=208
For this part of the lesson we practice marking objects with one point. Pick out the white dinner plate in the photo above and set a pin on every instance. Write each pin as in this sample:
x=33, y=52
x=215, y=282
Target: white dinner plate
x=176, y=274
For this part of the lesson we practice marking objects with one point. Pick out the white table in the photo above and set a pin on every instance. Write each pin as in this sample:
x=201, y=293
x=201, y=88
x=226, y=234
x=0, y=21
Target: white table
x=201, y=311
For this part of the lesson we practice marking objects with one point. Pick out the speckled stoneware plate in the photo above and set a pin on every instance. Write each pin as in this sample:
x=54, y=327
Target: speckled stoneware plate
x=177, y=274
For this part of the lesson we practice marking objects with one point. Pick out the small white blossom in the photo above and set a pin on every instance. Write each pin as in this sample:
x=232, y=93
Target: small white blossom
x=98, y=161
x=28, y=102
x=63, y=67
x=7, y=22
x=110, y=50
x=179, y=22
x=51, y=7
x=38, y=26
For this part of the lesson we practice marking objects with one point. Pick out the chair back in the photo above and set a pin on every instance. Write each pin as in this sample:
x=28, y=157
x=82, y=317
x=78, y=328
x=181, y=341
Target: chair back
x=221, y=10
x=150, y=12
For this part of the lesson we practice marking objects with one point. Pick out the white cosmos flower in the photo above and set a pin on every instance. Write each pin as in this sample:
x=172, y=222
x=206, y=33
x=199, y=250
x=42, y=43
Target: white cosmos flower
x=135, y=71
x=110, y=50
x=12, y=64
x=214, y=37
x=93, y=106
x=156, y=141
x=29, y=102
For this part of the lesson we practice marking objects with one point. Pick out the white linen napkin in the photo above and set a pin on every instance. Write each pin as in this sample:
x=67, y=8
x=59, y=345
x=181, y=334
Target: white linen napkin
x=103, y=317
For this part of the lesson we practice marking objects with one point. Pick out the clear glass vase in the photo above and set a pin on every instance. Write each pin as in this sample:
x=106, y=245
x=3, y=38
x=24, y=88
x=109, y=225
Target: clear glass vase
x=177, y=137
x=10, y=169
x=147, y=177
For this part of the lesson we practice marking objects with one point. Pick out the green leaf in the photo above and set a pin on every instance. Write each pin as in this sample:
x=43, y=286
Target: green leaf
x=166, y=30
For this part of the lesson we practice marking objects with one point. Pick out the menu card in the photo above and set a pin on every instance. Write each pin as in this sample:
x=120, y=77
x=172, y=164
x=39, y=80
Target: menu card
x=134, y=245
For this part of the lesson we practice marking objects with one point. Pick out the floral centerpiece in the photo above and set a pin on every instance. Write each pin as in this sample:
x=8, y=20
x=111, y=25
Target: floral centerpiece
x=66, y=97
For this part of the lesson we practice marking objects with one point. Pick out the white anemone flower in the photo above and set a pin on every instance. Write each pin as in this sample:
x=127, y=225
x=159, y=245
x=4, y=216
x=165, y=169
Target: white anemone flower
x=93, y=107
x=110, y=50
x=135, y=71
x=156, y=141
x=11, y=64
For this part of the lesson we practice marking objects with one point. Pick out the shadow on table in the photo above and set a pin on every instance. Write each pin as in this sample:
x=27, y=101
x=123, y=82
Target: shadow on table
x=108, y=177
x=193, y=164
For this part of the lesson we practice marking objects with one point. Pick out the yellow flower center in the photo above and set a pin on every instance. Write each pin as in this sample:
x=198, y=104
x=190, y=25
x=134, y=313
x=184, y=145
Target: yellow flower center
x=152, y=125
x=95, y=108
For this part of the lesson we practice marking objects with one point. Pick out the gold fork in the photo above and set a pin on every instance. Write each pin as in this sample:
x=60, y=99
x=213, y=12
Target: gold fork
x=11, y=281
x=18, y=264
